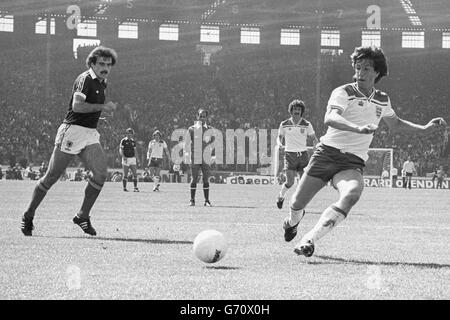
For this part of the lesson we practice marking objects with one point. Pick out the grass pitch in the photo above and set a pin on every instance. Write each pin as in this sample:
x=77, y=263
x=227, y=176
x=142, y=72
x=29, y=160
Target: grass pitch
x=393, y=245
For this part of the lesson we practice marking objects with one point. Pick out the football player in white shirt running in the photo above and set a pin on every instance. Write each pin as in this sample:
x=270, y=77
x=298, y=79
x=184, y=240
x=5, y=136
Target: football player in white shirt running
x=155, y=156
x=353, y=113
x=294, y=132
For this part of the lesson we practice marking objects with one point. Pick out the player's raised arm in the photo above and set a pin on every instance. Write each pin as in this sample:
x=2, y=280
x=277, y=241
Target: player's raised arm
x=400, y=125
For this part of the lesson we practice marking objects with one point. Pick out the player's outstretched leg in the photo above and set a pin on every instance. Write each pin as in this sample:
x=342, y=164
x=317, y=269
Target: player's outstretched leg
x=330, y=218
x=350, y=185
x=57, y=164
x=40, y=191
x=307, y=187
x=291, y=223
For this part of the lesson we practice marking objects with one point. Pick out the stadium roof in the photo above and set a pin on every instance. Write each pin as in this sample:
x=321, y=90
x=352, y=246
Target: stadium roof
x=309, y=13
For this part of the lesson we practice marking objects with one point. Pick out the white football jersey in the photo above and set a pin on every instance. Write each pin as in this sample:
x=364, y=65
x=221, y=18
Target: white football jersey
x=156, y=149
x=295, y=134
x=360, y=110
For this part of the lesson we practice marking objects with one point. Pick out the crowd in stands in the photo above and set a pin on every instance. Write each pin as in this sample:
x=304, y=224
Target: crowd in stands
x=242, y=87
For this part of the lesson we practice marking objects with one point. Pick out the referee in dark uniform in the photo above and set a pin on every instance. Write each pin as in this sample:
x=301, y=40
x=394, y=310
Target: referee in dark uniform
x=78, y=135
x=198, y=128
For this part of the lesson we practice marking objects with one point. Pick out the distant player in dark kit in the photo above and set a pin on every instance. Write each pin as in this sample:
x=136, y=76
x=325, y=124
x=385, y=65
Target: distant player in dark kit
x=78, y=135
x=155, y=155
x=198, y=128
x=292, y=137
x=127, y=150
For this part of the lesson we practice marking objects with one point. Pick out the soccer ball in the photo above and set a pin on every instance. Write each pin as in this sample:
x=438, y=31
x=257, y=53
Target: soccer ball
x=210, y=246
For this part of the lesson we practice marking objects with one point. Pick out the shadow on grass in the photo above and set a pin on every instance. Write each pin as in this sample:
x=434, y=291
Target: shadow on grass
x=235, y=207
x=222, y=268
x=155, y=241
x=387, y=263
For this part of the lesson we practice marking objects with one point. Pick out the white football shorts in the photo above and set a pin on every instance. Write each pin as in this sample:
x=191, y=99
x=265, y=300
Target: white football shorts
x=72, y=138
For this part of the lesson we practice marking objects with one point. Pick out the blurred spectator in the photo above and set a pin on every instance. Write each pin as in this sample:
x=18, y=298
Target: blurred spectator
x=440, y=177
x=409, y=169
x=30, y=173
x=43, y=169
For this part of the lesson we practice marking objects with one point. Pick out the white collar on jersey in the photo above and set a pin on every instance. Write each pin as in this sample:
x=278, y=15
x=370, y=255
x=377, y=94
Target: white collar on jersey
x=355, y=85
x=92, y=73
x=94, y=76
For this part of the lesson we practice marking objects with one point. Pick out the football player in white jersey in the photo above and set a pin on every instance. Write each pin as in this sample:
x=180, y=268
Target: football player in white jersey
x=292, y=137
x=353, y=113
x=155, y=156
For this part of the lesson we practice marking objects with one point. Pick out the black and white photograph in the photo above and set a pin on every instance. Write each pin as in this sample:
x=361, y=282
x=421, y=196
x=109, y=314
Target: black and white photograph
x=224, y=156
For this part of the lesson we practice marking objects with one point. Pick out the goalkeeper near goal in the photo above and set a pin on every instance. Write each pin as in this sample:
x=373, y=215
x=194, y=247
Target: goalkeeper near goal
x=353, y=113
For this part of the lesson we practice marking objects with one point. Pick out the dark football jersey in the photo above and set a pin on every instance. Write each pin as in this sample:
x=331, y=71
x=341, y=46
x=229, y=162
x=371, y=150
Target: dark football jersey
x=128, y=146
x=88, y=85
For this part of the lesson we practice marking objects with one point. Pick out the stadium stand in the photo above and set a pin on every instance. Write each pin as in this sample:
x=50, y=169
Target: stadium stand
x=160, y=85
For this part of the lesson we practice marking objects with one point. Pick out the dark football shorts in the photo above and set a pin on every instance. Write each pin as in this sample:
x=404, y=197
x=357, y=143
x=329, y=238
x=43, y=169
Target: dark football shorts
x=296, y=161
x=327, y=161
x=195, y=169
x=155, y=162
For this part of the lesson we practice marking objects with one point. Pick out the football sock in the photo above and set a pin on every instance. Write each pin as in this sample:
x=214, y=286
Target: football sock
x=330, y=218
x=90, y=195
x=295, y=215
x=156, y=180
x=135, y=182
x=284, y=189
x=206, y=191
x=193, y=189
x=124, y=183
x=38, y=195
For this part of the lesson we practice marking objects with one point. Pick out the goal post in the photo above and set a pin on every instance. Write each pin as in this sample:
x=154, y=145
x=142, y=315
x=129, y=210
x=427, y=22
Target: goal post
x=379, y=165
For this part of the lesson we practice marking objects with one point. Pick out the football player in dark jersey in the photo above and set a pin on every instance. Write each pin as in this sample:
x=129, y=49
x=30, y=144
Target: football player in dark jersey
x=78, y=135
x=127, y=150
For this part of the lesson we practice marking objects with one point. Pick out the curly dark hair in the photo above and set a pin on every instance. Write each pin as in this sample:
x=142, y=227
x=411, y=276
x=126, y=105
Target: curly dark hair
x=297, y=103
x=376, y=55
x=101, y=52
